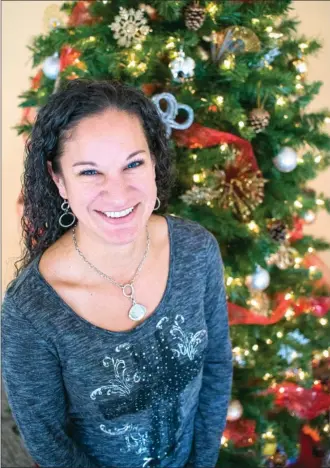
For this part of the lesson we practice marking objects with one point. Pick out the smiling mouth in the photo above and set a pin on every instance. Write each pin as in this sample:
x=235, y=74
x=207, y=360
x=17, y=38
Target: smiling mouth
x=118, y=214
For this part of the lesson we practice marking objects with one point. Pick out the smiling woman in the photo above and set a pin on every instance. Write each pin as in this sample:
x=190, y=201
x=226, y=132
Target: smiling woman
x=115, y=337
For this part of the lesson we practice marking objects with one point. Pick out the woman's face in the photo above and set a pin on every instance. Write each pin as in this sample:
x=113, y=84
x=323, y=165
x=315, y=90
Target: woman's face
x=107, y=170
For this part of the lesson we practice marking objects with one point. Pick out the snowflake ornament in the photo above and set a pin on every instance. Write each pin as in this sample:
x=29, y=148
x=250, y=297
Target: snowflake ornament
x=129, y=27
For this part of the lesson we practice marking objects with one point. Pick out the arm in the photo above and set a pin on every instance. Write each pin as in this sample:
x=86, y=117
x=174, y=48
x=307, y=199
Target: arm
x=36, y=394
x=215, y=392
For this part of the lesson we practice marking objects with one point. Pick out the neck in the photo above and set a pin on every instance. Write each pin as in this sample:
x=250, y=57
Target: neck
x=118, y=261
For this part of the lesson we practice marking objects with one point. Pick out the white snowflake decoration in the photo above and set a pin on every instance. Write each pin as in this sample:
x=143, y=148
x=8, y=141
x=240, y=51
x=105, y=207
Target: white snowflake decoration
x=129, y=26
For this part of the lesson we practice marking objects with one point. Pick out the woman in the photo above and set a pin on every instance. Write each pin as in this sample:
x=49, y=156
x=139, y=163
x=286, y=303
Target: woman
x=115, y=341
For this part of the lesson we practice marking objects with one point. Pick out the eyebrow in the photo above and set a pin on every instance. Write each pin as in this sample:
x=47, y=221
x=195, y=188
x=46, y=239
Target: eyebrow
x=91, y=163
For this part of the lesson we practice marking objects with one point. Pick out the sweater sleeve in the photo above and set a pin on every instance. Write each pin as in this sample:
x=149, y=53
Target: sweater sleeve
x=36, y=394
x=215, y=391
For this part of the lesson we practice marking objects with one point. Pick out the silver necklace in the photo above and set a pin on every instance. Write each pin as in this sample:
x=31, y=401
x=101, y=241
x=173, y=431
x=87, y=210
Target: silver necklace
x=137, y=311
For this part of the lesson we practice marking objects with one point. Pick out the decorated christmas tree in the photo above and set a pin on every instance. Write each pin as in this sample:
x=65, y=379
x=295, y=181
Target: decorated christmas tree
x=230, y=83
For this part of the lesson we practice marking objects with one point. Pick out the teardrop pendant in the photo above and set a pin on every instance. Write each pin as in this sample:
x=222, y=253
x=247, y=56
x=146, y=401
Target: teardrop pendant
x=137, y=312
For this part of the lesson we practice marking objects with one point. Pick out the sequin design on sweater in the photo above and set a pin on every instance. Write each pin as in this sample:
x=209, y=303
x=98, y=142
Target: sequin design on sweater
x=188, y=342
x=122, y=383
x=151, y=381
x=135, y=437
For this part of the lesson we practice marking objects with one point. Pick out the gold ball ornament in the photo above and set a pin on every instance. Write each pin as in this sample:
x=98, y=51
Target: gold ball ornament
x=234, y=40
x=235, y=411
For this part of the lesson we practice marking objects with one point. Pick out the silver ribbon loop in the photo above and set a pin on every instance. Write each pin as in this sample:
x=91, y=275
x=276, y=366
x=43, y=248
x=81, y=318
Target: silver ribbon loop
x=169, y=115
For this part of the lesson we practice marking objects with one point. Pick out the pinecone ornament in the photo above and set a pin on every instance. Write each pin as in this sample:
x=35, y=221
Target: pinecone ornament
x=277, y=230
x=194, y=16
x=259, y=119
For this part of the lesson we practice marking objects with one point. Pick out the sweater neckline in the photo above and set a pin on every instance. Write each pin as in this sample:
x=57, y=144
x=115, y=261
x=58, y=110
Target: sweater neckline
x=141, y=326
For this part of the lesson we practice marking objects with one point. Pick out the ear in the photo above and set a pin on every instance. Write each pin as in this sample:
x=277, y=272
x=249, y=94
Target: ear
x=58, y=180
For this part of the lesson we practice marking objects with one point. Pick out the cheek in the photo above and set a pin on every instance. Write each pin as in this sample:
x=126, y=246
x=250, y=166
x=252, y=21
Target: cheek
x=81, y=193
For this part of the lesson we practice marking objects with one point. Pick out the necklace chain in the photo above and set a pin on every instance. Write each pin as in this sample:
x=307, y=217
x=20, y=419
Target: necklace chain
x=122, y=286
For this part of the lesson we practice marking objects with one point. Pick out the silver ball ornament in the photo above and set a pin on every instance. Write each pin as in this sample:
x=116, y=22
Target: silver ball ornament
x=309, y=217
x=235, y=411
x=286, y=160
x=260, y=279
x=51, y=66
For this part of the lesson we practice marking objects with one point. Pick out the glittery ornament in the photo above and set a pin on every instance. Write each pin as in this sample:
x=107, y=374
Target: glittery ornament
x=51, y=66
x=309, y=217
x=277, y=230
x=194, y=16
x=236, y=187
x=182, y=67
x=284, y=257
x=259, y=303
x=259, y=119
x=235, y=411
x=239, y=188
x=129, y=27
x=286, y=160
x=198, y=195
x=260, y=279
x=234, y=40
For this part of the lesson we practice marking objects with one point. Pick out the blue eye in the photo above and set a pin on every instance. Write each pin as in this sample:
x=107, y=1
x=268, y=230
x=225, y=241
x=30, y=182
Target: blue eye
x=87, y=172
x=140, y=162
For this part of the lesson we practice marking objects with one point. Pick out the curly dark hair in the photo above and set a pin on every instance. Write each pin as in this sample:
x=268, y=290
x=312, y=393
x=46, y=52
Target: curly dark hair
x=64, y=110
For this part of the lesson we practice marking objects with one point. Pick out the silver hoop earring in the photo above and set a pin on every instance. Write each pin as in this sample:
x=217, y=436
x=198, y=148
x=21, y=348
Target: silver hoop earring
x=158, y=201
x=65, y=207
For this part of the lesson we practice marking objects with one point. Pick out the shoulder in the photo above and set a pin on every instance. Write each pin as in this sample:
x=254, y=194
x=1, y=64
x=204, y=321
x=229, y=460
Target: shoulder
x=191, y=231
x=192, y=240
x=29, y=292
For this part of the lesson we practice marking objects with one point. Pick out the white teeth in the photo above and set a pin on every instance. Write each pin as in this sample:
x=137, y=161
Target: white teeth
x=118, y=214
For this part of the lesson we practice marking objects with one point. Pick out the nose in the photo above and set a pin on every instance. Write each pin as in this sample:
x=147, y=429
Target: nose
x=116, y=192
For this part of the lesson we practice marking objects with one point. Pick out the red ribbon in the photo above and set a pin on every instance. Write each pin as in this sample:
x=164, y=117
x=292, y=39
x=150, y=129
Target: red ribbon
x=306, y=403
x=80, y=15
x=35, y=81
x=197, y=136
x=297, y=231
x=68, y=56
x=318, y=306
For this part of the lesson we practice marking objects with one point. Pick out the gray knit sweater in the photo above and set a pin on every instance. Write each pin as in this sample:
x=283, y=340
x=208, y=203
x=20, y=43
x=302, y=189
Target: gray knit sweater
x=155, y=396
